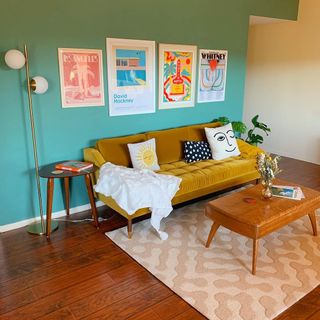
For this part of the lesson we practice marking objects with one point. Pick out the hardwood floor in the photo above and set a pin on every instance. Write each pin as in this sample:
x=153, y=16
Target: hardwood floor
x=81, y=274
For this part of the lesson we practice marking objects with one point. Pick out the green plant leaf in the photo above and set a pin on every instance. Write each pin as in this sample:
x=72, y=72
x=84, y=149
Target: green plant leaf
x=222, y=120
x=254, y=120
x=250, y=133
x=239, y=126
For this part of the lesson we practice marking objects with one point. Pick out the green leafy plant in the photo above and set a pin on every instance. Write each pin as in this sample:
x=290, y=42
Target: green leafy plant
x=240, y=128
x=254, y=138
x=237, y=126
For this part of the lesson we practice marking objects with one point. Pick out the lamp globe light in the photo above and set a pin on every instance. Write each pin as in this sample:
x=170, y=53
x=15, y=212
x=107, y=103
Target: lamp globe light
x=15, y=59
x=39, y=84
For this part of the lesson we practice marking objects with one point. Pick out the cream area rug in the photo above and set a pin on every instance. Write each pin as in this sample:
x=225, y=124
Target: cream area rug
x=217, y=281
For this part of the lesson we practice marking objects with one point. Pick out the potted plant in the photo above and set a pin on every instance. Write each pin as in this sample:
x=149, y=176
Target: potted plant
x=240, y=128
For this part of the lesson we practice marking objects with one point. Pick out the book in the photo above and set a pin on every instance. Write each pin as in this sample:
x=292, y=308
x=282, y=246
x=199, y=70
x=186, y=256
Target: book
x=288, y=192
x=74, y=165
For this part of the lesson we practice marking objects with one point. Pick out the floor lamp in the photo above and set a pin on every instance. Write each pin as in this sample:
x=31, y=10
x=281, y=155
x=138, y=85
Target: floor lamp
x=15, y=59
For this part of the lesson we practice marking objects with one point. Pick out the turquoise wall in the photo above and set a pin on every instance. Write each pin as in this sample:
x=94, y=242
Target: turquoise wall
x=62, y=133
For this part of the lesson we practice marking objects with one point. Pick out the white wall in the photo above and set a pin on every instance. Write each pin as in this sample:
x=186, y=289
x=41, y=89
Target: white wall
x=283, y=83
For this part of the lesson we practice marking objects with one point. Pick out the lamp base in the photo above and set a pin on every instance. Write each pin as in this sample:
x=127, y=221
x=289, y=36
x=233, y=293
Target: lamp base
x=36, y=228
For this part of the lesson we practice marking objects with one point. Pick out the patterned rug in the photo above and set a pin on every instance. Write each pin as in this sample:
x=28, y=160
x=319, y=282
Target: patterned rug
x=217, y=281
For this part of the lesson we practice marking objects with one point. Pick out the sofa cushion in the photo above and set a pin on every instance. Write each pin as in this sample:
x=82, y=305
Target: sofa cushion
x=209, y=172
x=222, y=141
x=196, y=132
x=247, y=150
x=169, y=143
x=143, y=155
x=115, y=150
x=196, y=151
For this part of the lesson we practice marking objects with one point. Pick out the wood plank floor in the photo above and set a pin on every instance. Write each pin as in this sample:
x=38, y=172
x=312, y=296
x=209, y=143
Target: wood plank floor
x=81, y=274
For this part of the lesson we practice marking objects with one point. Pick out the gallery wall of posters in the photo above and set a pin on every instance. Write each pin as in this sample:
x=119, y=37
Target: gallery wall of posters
x=131, y=76
x=81, y=77
x=212, y=75
x=177, y=75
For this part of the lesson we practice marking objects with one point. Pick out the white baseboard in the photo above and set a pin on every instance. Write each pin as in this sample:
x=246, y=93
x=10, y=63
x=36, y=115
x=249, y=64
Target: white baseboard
x=58, y=214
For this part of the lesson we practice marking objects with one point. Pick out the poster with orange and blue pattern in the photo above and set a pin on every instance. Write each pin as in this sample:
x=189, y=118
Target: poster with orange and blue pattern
x=176, y=76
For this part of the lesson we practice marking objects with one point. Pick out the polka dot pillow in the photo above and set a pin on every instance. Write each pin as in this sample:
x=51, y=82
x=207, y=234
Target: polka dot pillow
x=196, y=151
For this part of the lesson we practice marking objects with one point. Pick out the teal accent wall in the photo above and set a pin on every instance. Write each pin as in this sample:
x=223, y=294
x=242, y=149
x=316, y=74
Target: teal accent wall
x=62, y=133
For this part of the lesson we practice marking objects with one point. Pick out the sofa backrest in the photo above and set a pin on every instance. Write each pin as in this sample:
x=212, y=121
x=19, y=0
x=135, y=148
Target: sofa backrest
x=197, y=133
x=169, y=143
x=115, y=150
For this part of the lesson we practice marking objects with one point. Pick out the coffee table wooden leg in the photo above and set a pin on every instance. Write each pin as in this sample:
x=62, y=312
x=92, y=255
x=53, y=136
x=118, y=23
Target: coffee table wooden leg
x=214, y=228
x=313, y=220
x=91, y=198
x=254, y=255
x=50, y=187
x=67, y=194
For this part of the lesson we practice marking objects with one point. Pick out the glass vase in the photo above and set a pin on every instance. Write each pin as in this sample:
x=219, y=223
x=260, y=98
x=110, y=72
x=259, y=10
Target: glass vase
x=266, y=190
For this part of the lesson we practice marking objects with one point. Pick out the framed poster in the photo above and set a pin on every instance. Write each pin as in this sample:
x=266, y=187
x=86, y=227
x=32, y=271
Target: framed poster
x=131, y=76
x=81, y=77
x=177, y=76
x=212, y=75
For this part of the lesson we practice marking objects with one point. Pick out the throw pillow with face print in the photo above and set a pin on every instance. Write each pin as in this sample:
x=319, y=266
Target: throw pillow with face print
x=222, y=141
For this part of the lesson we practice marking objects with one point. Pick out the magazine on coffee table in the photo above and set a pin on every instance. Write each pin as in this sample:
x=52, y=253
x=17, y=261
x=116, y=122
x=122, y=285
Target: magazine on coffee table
x=288, y=192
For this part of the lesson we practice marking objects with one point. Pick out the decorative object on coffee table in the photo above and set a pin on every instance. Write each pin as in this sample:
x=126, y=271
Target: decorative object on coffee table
x=268, y=169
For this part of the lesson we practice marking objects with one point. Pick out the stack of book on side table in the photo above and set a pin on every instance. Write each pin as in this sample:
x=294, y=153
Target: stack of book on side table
x=74, y=165
x=288, y=192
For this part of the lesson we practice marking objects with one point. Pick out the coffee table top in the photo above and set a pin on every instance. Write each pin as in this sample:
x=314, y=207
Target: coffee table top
x=262, y=211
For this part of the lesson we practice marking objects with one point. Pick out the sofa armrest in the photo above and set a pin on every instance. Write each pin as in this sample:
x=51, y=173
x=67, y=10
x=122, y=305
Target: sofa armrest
x=247, y=150
x=94, y=156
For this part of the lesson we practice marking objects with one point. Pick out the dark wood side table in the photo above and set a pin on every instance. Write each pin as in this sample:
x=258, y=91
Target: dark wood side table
x=48, y=173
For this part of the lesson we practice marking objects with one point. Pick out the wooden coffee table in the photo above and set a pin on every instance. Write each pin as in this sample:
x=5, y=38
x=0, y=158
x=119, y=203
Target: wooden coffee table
x=260, y=217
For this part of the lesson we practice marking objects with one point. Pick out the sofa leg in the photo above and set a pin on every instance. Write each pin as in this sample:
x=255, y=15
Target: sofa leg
x=129, y=228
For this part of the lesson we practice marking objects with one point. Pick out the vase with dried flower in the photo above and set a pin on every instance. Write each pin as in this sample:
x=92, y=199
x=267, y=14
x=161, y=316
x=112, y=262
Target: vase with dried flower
x=268, y=169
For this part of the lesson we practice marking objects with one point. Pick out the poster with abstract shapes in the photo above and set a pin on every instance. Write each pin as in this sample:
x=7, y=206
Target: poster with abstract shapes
x=177, y=76
x=81, y=77
x=212, y=75
x=131, y=76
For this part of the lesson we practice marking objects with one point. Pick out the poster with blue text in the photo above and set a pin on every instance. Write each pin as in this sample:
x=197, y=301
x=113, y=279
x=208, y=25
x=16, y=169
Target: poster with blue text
x=131, y=76
x=212, y=75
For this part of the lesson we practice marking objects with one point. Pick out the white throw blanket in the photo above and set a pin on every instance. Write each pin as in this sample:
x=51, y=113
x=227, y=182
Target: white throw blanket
x=134, y=189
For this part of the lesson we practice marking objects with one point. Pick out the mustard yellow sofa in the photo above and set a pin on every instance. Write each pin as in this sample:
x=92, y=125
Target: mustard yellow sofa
x=198, y=179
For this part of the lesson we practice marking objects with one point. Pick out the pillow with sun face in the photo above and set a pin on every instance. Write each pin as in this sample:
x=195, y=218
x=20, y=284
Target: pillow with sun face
x=143, y=155
x=222, y=141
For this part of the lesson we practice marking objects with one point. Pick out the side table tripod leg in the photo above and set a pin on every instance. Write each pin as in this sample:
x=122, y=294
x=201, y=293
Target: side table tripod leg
x=50, y=187
x=67, y=194
x=92, y=203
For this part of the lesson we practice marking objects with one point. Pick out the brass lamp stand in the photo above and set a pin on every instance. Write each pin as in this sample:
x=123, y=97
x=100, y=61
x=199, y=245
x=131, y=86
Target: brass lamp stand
x=15, y=59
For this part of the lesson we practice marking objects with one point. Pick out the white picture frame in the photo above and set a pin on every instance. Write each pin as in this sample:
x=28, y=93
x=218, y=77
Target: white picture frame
x=212, y=75
x=131, y=76
x=177, y=76
x=81, y=77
